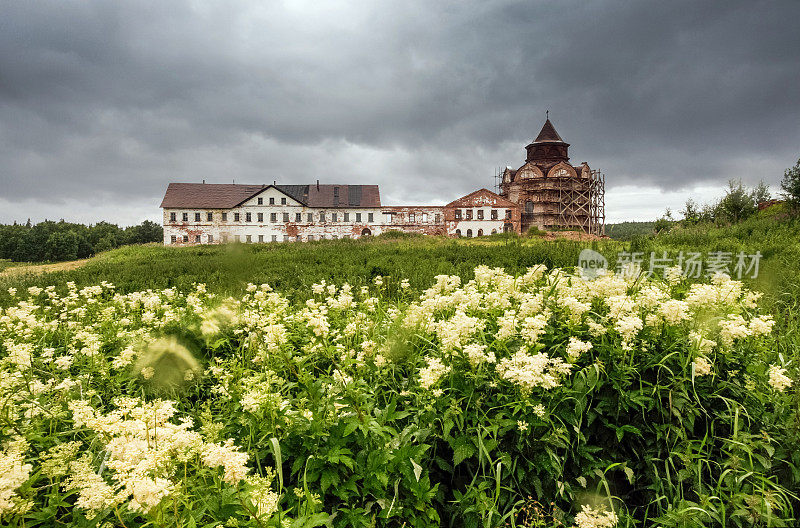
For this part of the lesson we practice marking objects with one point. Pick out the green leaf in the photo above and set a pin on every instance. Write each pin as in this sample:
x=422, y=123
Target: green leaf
x=417, y=469
x=463, y=450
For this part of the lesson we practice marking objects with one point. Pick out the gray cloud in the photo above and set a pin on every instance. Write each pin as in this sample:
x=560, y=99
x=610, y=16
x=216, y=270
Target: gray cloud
x=116, y=99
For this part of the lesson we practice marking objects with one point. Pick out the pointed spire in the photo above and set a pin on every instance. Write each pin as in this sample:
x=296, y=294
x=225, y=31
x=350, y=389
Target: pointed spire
x=548, y=133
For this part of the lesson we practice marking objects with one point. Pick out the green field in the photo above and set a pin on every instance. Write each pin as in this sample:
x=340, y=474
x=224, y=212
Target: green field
x=402, y=381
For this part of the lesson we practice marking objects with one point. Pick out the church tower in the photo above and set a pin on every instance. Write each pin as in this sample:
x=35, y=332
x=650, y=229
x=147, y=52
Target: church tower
x=552, y=193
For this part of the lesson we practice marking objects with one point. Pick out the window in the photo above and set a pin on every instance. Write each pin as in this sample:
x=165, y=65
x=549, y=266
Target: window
x=310, y=238
x=273, y=217
x=310, y=218
x=335, y=237
x=370, y=217
x=494, y=214
x=480, y=214
x=458, y=214
x=346, y=217
x=469, y=214
x=334, y=217
x=285, y=238
x=272, y=201
x=185, y=238
x=210, y=217
x=528, y=207
x=235, y=217
x=173, y=238
x=197, y=217
x=411, y=217
x=283, y=201
x=260, y=200
x=248, y=217
x=469, y=233
x=260, y=217
x=424, y=218
x=210, y=239
x=494, y=231
x=197, y=239
x=224, y=238
x=172, y=217
x=480, y=232
x=508, y=213
x=438, y=218
x=458, y=232
x=285, y=217
x=261, y=238
x=224, y=217
x=185, y=217
x=322, y=216
x=249, y=238
x=298, y=238
x=298, y=217
x=274, y=238
x=358, y=217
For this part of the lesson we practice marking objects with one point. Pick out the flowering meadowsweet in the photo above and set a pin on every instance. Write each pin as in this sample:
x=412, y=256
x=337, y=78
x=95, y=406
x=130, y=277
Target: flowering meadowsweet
x=430, y=374
x=576, y=347
x=778, y=379
x=14, y=472
x=530, y=371
x=595, y=518
x=702, y=367
x=476, y=353
x=147, y=372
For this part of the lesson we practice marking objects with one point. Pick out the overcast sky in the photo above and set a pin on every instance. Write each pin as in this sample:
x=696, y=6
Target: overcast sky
x=102, y=103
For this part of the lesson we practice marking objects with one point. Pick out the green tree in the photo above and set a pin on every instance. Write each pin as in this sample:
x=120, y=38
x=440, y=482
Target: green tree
x=736, y=205
x=62, y=245
x=791, y=186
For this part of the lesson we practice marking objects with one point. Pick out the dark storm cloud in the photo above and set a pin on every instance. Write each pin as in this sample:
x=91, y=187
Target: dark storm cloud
x=115, y=99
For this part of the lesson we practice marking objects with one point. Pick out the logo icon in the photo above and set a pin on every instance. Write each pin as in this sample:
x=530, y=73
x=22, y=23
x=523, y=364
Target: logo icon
x=591, y=263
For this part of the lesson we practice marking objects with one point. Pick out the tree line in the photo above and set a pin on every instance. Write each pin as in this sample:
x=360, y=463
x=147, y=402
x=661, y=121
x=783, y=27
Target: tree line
x=739, y=203
x=58, y=241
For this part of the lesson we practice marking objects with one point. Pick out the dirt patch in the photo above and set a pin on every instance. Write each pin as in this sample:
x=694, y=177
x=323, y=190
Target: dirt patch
x=38, y=269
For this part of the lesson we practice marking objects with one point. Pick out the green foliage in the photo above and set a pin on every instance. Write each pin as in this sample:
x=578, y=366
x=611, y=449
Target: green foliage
x=59, y=241
x=628, y=230
x=791, y=185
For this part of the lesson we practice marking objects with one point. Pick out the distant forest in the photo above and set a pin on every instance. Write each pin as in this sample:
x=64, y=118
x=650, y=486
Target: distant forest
x=57, y=241
x=627, y=230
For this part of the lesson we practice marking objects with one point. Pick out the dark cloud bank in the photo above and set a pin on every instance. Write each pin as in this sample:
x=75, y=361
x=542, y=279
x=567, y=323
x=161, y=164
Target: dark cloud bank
x=103, y=103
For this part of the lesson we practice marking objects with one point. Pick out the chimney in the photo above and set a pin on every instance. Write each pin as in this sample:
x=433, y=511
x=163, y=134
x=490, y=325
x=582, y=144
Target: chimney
x=204, y=182
x=317, y=184
x=274, y=182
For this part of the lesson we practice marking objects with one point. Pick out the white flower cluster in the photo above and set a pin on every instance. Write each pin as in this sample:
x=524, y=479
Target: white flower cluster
x=778, y=379
x=529, y=371
x=595, y=518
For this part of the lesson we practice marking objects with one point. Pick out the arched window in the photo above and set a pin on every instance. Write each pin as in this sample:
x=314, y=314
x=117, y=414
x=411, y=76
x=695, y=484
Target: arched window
x=458, y=232
x=528, y=206
x=480, y=232
x=366, y=232
x=469, y=233
x=494, y=231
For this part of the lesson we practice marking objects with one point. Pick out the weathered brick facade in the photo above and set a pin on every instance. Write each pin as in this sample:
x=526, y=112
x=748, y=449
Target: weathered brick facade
x=553, y=193
x=213, y=213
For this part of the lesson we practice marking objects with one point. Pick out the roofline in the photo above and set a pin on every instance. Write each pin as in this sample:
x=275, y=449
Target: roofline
x=264, y=189
x=505, y=200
